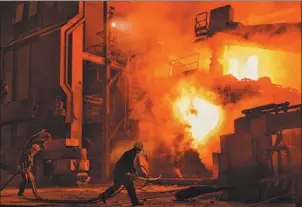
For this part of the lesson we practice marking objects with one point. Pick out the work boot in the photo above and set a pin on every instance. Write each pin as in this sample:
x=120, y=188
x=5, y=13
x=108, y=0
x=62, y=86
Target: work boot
x=138, y=204
x=20, y=194
x=102, y=198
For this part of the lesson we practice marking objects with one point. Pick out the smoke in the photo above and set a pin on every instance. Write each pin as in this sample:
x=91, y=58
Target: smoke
x=162, y=31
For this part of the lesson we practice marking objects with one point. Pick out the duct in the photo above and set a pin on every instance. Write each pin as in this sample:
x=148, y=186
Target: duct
x=65, y=31
x=100, y=60
x=93, y=58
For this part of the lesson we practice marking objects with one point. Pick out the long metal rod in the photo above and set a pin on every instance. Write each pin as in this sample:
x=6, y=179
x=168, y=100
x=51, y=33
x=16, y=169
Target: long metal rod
x=270, y=199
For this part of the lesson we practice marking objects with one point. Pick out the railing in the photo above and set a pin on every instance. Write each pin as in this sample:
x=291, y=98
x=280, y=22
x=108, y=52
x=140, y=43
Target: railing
x=201, y=24
x=92, y=107
x=271, y=108
x=184, y=64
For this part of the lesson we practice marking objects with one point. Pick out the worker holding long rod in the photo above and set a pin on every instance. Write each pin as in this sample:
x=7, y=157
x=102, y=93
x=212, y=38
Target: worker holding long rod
x=124, y=174
x=35, y=144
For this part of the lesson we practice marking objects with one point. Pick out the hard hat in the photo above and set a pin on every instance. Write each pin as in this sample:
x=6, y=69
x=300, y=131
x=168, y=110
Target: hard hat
x=139, y=145
x=36, y=147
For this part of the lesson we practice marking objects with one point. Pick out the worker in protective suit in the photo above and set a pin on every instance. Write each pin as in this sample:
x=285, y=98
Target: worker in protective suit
x=39, y=141
x=36, y=143
x=26, y=163
x=124, y=174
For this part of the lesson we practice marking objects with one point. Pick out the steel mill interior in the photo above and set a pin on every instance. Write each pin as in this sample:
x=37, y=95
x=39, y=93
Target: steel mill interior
x=180, y=103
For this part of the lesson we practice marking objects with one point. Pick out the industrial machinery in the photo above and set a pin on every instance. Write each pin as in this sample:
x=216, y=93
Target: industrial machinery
x=257, y=150
x=68, y=90
x=63, y=163
x=221, y=19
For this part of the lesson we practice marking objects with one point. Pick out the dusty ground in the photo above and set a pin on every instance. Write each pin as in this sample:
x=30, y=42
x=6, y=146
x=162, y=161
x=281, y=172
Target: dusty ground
x=151, y=198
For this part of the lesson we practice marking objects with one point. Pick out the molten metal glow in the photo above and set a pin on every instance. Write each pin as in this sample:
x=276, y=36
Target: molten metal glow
x=199, y=115
x=252, y=67
x=249, y=69
x=242, y=63
x=233, y=67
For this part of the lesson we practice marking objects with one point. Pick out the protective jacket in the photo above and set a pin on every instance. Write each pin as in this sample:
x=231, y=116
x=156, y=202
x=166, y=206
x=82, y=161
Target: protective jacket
x=125, y=164
x=26, y=160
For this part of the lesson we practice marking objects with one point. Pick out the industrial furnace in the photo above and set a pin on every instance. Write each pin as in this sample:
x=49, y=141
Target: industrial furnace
x=252, y=153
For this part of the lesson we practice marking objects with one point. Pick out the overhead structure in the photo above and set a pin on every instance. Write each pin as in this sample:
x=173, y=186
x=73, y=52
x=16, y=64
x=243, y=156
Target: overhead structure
x=221, y=19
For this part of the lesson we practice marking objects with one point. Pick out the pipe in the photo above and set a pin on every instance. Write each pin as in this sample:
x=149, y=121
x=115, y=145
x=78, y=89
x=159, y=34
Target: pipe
x=93, y=58
x=115, y=130
x=69, y=31
x=100, y=60
x=65, y=31
x=111, y=81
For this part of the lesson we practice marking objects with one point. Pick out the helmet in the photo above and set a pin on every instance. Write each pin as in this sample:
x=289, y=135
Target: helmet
x=139, y=145
x=36, y=147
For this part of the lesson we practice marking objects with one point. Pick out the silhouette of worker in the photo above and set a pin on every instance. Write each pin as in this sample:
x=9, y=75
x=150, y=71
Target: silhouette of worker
x=124, y=174
x=39, y=141
x=27, y=162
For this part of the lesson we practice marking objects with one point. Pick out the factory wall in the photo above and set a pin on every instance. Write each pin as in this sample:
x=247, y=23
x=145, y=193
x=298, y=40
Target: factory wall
x=30, y=41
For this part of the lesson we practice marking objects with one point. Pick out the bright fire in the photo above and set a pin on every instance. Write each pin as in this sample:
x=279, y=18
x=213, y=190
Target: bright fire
x=199, y=115
x=242, y=64
x=244, y=61
x=249, y=69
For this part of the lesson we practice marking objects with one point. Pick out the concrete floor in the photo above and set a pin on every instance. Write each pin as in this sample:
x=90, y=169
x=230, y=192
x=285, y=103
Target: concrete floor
x=151, y=197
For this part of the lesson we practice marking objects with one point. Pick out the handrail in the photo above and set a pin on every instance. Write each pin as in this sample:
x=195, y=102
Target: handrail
x=184, y=57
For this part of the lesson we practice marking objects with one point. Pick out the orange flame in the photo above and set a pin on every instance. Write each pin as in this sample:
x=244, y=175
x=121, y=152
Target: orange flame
x=199, y=115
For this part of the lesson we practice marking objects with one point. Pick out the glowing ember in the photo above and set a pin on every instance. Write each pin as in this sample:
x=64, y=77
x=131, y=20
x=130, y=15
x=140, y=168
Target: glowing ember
x=199, y=115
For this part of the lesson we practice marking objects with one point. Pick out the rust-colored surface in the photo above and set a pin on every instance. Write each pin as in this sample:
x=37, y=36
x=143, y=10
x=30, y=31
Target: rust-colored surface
x=151, y=198
x=181, y=117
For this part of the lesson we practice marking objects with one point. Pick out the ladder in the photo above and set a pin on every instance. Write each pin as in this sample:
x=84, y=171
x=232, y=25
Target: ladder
x=201, y=25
